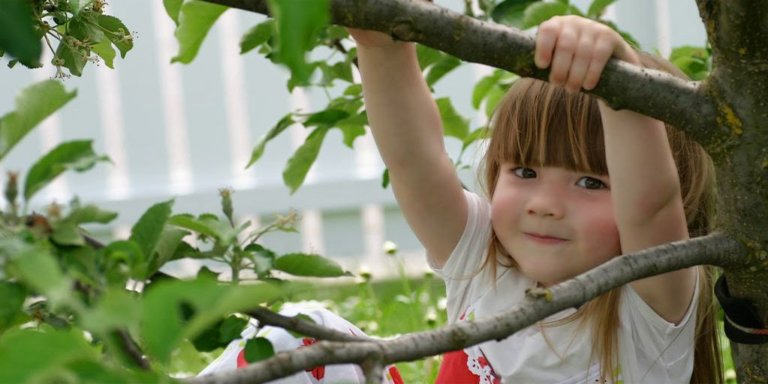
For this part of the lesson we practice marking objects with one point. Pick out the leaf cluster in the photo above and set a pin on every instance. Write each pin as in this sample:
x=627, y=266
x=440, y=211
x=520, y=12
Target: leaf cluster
x=107, y=312
x=75, y=31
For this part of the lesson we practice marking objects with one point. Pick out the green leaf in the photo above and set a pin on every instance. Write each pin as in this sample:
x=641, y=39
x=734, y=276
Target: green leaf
x=117, y=308
x=33, y=105
x=257, y=35
x=298, y=24
x=17, y=35
x=385, y=178
x=73, y=155
x=117, y=33
x=257, y=349
x=511, y=12
x=172, y=8
x=281, y=126
x=195, y=20
x=540, y=12
x=354, y=90
x=688, y=51
x=341, y=70
x=149, y=229
x=231, y=328
x=328, y=117
x=12, y=296
x=261, y=257
x=209, y=301
x=495, y=94
x=206, y=273
x=125, y=252
x=441, y=68
x=90, y=214
x=302, y=264
x=74, y=58
x=106, y=52
x=454, y=125
x=299, y=164
x=598, y=7
x=30, y=355
x=166, y=247
x=353, y=127
x=35, y=266
x=220, y=334
x=84, y=30
x=428, y=56
x=208, y=225
x=67, y=234
x=483, y=87
x=477, y=134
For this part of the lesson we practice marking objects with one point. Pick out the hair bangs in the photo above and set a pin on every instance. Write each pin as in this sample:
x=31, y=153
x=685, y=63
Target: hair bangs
x=537, y=124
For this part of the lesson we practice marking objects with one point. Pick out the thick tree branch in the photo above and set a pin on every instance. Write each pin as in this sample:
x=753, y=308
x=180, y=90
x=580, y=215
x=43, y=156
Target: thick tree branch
x=652, y=93
x=739, y=86
x=716, y=249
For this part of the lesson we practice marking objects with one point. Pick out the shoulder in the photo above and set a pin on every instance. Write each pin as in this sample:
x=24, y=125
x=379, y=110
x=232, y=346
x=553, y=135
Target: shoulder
x=473, y=243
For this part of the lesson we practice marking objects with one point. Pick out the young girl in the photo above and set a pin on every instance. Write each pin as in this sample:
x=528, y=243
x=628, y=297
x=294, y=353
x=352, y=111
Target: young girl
x=571, y=184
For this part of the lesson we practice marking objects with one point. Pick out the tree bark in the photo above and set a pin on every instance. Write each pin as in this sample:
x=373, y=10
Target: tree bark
x=739, y=87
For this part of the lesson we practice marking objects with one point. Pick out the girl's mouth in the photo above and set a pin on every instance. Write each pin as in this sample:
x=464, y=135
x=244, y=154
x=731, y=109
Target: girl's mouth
x=544, y=239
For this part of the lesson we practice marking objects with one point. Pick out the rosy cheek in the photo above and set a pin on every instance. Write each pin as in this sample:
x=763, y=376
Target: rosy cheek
x=607, y=235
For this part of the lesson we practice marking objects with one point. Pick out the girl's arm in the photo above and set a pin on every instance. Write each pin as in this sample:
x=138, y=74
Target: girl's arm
x=406, y=126
x=645, y=187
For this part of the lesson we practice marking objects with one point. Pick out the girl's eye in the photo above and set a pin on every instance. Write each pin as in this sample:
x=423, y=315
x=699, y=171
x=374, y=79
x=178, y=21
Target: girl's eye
x=591, y=183
x=524, y=173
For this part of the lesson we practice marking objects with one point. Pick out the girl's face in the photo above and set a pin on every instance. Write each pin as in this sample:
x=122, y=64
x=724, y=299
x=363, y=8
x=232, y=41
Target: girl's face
x=555, y=223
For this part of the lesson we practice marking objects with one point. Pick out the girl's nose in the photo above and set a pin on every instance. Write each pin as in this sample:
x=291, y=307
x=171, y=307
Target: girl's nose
x=546, y=203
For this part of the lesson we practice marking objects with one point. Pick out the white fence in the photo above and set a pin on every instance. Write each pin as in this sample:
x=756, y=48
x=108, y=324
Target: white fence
x=186, y=131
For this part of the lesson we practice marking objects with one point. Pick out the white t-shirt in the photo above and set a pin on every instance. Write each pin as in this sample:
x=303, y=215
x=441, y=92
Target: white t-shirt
x=651, y=350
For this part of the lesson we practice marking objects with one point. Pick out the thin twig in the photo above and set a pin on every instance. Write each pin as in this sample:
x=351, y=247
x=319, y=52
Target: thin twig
x=304, y=327
x=373, y=367
x=132, y=349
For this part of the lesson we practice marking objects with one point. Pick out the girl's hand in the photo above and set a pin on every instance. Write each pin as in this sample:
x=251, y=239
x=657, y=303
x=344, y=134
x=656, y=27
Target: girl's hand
x=576, y=50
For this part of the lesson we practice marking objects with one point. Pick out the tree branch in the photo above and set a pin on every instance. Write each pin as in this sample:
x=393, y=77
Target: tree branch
x=683, y=104
x=131, y=349
x=715, y=249
x=297, y=324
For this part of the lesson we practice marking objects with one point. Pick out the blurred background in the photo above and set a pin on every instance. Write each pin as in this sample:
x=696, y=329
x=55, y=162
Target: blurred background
x=186, y=131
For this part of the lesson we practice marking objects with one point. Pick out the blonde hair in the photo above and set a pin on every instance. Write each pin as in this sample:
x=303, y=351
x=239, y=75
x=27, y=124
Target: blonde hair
x=542, y=125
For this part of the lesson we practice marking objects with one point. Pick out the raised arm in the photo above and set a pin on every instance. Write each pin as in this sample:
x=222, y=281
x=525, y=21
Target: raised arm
x=644, y=182
x=406, y=126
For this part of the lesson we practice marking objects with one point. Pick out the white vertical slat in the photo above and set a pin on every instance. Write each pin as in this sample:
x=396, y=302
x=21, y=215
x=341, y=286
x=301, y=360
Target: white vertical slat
x=50, y=136
x=662, y=28
x=111, y=118
x=236, y=99
x=180, y=170
x=311, y=226
x=373, y=232
x=311, y=229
